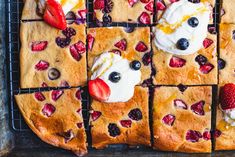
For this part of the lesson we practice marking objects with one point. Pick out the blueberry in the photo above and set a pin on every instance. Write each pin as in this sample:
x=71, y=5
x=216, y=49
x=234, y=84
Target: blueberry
x=193, y=22
x=62, y=42
x=107, y=19
x=221, y=63
x=182, y=44
x=135, y=114
x=53, y=74
x=182, y=87
x=113, y=130
x=115, y=77
x=135, y=65
x=129, y=29
x=201, y=59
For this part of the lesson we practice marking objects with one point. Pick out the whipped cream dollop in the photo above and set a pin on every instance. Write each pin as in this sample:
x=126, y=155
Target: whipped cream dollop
x=174, y=26
x=68, y=5
x=229, y=116
x=108, y=63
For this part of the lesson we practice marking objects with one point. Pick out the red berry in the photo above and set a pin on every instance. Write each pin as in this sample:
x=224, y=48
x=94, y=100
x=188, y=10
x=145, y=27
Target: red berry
x=41, y=65
x=144, y=18
x=116, y=51
x=227, y=96
x=95, y=115
x=168, y=119
x=217, y=133
x=207, y=42
x=56, y=94
x=99, y=4
x=149, y=6
x=78, y=94
x=39, y=45
x=198, y=108
x=77, y=49
x=44, y=84
x=48, y=110
x=193, y=136
x=121, y=44
x=206, y=68
x=132, y=2
x=126, y=123
x=141, y=47
x=80, y=125
x=39, y=96
x=206, y=135
x=173, y=1
x=177, y=62
x=180, y=104
x=144, y=1
x=160, y=5
x=90, y=40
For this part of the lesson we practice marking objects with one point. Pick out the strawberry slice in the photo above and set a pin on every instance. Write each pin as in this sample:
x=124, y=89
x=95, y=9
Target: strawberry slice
x=141, y=47
x=177, y=62
x=99, y=4
x=206, y=68
x=126, y=123
x=39, y=45
x=82, y=13
x=144, y=1
x=98, y=89
x=132, y=2
x=41, y=65
x=56, y=94
x=160, y=5
x=207, y=42
x=95, y=115
x=121, y=44
x=39, y=96
x=144, y=18
x=54, y=15
x=227, y=96
x=90, y=40
x=149, y=6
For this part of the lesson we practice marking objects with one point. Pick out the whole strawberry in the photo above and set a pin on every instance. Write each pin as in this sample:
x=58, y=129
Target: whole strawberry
x=227, y=96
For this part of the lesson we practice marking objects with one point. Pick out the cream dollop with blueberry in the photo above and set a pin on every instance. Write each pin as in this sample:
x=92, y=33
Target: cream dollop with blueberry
x=183, y=27
x=113, y=78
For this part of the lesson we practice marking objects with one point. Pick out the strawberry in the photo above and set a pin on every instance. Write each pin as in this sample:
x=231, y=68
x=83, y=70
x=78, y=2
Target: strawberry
x=48, y=109
x=121, y=44
x=227, y=96
x=39, y=45
x=95, y=115
x=126, y=123
x=132, y=2
x=90, y=40
x=39, y=96
x=144, y=1
x=177, y=62
x=56, y=94
x=99, y=4
x=149, y=6
x=54, y=15
x=82, y=13
x=206, y=68
x=144, y=18
x=41, y=65
x=98, y=89
x=207, y=42
x=141, y=47
x=160, y=5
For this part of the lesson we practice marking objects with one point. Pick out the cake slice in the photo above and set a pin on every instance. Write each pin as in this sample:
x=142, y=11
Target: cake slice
x=50, y=57
x=56, y=117
x=182, y=119
x=121, y=123
x=130, y=11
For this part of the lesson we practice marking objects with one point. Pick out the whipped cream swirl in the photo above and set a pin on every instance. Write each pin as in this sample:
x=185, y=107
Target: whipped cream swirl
x=229, y=116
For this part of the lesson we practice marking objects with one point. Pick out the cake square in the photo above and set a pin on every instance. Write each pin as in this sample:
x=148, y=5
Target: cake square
x=227, y=54
x=227, y=11
x=182, y=120
x=50, y=118
x=131, y=11
x=103, y=39
x=50, y=57
x=34, y=9
x=194, y=69
x=121, y=123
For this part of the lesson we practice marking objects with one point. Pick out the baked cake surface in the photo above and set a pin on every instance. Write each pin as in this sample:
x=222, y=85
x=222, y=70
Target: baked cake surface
x=227, y=11
x=56, y=117
x=137, y=47
x=124, y=11
x=121, y=123
x=49, y=58
x=182, y=120
x=227, y=54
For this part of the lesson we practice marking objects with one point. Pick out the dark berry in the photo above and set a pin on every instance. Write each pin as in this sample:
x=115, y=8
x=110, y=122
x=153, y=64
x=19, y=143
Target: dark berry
x=115, y=77
x=198, y=108
x=107, y=19
x=182, y=44
x=201, y=60
x=62, y=42
x=70, y=16
x=211, y=29
x=53, y=74
x=108, y=6
x=135, y=65
x=193, y=22
x=135, y=114
x=193, y=136
x=113, y=130
x=233, y=35
x=146, y=59
x=129, y=29
x=221, y=63
x=69, y=32
x=182, y=87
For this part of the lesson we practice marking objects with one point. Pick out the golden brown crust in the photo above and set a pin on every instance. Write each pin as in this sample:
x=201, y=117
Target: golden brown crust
x=122, y=12
x=137, y=134
x=65, y=118
x=228, y=11
x=188, y=74
x=72, y=71
x=172, y=138
x=105, y=38
x=227, y=53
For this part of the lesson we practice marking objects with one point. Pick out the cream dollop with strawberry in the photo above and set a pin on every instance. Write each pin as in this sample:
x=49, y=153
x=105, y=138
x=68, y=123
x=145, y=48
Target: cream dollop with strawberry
x=183, y=27
x=113, y=78
x=227, y=103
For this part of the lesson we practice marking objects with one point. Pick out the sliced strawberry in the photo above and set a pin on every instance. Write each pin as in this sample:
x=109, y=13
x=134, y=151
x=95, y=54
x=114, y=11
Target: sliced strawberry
x=79, y=110
x=177, y=62
x=39, y=45
x=80, y=125
x=41, y=65
x=141, y=47
x=206, y=135
x=121, y=44
x=227, y=96
x=198, y=108
x=180, y=104
x=144, y=18
x=44, y=84
x=217, y=133
x=56, y=94
x=90, y=40
x=77, y=49
x=160, y=5
x=126, y=123
x=39, y=96
x=82, y=13
x=149, y=6
x=99, y=4
x=206, y=68
x=207, y=42
x=144, y=1
x=78, y=94
x=95, y=115
x=48, y=110
x=98, y=89
x=168, y=119
x=193, y=136
x=54, y=15
x=132, y=2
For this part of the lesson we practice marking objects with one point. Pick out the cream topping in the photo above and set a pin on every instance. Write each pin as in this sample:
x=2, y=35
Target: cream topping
x=229, y=116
